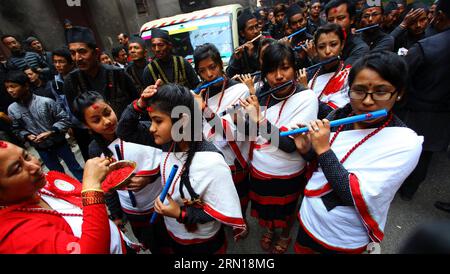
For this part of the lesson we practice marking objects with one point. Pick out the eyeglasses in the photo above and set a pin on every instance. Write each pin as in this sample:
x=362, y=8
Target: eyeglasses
x=356, y=94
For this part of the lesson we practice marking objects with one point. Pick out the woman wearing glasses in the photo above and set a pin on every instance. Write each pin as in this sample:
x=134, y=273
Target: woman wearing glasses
x=359, y=171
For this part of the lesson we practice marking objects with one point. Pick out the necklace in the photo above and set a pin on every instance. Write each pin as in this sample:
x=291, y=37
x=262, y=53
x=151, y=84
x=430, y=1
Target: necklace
x=286, y=97
x=362, y=140
x=221, y=96
x=279, y=113
x=42, y=210
x=164, y=170
x=316, y=75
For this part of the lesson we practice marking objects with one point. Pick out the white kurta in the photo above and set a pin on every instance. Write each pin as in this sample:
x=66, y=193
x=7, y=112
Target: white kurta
x=210, y=177
x=147, y=159
x=378, y=168
x=270, y=161
x=336, y=93
x=232, y=144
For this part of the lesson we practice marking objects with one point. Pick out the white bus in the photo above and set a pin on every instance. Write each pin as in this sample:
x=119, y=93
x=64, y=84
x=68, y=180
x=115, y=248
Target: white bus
x=215, y=25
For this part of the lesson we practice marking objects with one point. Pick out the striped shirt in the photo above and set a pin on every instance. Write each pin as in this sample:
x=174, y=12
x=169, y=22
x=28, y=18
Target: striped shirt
x=26, y=59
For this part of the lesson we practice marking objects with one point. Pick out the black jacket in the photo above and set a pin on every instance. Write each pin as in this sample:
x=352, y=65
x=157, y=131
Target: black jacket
x=113, y=83
x=354, y=48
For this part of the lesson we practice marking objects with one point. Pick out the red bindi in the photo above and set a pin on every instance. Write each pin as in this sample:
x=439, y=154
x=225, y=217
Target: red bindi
x=334, y=10
x=95, y=106
x=3, y=144
x=150, y=109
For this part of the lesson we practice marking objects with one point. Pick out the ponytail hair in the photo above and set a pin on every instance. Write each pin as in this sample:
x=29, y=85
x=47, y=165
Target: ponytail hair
x=165, y=100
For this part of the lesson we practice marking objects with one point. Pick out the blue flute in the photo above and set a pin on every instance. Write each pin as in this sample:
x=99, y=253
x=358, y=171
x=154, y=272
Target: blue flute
x=344, y=121
x=207, y=85
x=163, y=195
x=130, y=193
x=264, y=94
x=296, y=33
x=366, y=28
x=323, y=63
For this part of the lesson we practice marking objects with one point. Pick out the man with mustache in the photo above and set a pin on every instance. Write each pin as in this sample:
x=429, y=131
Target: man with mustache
x=167, y=66
x=20, y=58
x=113, y=83
x=138, y=54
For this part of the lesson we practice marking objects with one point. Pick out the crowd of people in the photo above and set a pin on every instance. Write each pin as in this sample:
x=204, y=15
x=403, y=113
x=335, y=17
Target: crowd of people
x=298, y=65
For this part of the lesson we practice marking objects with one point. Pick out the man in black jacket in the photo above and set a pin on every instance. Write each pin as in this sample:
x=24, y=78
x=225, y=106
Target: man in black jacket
x=166, y=66
x=138, y=54
x=412, y=28
x=342, y=12
x=245, y=57
x=113, y=83
x=376, y=39
x=427, y=109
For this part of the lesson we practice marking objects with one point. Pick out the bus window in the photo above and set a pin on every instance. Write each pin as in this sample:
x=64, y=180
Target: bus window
x=188, y=35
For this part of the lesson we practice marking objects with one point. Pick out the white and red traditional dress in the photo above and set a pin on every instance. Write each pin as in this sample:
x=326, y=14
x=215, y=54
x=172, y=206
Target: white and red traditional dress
x=147, y=159
x=139, y=214
x=277, y=168
x=69, y=228
x=210, y=178
x=331, y=88
x=375, y=163
x=232, y=144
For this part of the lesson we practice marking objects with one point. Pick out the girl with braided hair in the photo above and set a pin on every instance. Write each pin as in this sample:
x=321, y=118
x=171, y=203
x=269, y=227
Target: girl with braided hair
x=202, y=196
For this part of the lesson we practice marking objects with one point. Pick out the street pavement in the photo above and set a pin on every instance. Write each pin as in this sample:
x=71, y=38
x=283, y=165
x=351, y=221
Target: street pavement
x=404, y=217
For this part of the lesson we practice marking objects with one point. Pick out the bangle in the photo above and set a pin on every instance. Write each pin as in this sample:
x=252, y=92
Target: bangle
x=92, y=189
x=137, y=107
x=182, y=216
x=92, y=198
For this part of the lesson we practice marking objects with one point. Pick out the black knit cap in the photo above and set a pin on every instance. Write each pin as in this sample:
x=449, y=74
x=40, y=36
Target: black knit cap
x=162, y=34
x=79, y=34
x=390, y=6
x=444, y=6
x=137, y=40
x=372, y=5
x=293, y=10
x=243, y=18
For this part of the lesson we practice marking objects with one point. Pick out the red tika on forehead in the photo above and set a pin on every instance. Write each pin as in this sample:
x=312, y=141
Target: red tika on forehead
x=95, y=106
x=334, y=10
x=150, y=109
x=3, y=144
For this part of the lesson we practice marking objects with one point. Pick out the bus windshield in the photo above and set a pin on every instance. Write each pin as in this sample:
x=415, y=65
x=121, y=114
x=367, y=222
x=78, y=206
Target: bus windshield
x=188, y=35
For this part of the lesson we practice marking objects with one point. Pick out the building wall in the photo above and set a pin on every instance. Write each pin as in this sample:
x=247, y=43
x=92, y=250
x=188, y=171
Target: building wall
x=26, y=18
x=40, y=18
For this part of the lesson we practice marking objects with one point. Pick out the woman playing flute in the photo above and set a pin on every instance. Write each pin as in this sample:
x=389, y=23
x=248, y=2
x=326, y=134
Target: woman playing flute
x=358, y=172
x=330, y=81
x=221, y=130
x=277, y=170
